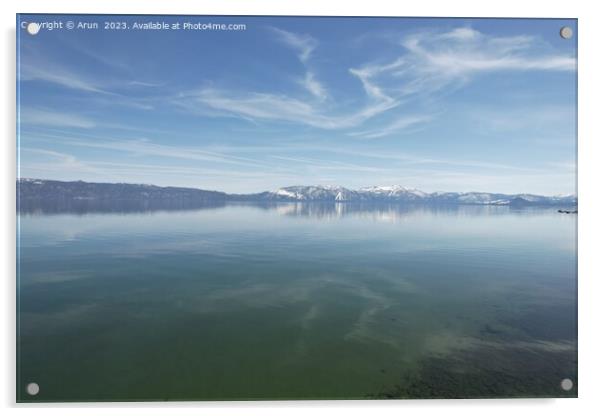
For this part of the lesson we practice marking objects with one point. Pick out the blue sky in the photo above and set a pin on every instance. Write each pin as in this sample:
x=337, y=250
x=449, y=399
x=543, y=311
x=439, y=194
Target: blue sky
x=434, y=104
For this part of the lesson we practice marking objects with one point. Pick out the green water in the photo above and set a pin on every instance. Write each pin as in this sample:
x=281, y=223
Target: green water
x=297, y=302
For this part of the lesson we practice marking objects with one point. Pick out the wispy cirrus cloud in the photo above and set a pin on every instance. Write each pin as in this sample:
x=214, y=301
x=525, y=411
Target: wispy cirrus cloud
x=42, y=117
x=117, y=80
x=145, y=147
x=53, y=161
x=102, y=92
x=431, y=61
x=311, y=84
x=465, y=51
x=303, y=44
x=284, y=108
x=59, y=76
x=428, y=62
x=136, y=83
x=280, y=107
x=397, y=125
x=64, y=166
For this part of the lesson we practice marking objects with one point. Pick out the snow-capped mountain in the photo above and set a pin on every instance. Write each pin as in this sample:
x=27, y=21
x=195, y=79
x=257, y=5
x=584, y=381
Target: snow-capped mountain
x=314, y=193
x=398, y=193
x=393, y=193
x=30, y=189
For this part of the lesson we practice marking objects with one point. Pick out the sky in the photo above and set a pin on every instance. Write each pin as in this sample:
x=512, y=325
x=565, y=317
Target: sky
x=434, y=104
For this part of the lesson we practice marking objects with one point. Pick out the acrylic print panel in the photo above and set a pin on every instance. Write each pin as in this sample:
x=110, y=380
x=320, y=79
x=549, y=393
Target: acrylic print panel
x=268, y=208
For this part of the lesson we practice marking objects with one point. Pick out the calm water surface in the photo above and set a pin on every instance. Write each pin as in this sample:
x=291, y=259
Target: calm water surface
x=297, y=301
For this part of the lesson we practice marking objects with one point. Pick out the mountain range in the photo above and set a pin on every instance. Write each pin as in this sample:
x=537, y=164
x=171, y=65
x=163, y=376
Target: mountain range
x=39, y=189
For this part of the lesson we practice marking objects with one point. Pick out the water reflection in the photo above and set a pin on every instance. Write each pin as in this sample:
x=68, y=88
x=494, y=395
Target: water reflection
x=87, y=206
x=296, y=300
x=319, y=210
x=390, y=212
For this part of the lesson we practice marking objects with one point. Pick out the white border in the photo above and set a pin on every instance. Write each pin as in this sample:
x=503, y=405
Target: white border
x=590, y=209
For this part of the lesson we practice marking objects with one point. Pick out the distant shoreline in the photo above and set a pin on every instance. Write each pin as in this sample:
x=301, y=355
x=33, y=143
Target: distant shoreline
x=41, y=189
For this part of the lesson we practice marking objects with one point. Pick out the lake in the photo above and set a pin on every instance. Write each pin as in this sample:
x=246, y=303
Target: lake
x=297, y=301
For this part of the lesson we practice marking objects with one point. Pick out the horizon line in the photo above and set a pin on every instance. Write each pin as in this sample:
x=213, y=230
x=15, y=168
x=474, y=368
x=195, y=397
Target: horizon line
x=290, y=186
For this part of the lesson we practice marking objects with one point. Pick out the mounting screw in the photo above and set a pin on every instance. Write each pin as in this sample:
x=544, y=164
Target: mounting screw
x=33, y=28
x=566, y=384
x=33, y=389
x=566, y=32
